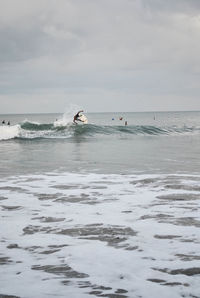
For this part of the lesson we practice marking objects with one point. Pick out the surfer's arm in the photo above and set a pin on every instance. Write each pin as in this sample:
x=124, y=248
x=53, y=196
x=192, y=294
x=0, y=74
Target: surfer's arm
x=79, y=113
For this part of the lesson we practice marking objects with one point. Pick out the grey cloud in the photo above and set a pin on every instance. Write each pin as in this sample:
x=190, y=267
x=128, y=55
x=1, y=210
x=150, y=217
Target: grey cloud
x=181, y=6
x=19, y=45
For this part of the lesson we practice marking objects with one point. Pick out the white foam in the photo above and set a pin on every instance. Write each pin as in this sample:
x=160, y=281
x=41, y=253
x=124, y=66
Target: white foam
x=47, y=134
x=62, y=122
x=9, y=132
x=106, y=201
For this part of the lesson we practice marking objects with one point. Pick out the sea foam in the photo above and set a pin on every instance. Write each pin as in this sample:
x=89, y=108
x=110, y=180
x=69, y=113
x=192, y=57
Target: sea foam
x=9, y=132
x=84, y=234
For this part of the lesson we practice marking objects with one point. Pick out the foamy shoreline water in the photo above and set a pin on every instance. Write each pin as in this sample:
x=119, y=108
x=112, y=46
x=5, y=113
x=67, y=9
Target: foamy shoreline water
x=84, y=235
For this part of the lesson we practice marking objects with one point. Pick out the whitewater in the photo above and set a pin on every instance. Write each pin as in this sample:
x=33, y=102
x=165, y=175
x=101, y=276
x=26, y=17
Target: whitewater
x=100, y=210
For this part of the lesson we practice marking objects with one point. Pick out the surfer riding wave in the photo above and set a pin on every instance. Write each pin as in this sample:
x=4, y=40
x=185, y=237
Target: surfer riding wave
x=78, y=117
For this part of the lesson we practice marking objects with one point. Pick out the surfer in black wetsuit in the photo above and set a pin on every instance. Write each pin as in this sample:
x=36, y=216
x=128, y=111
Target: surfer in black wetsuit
x=76, y=117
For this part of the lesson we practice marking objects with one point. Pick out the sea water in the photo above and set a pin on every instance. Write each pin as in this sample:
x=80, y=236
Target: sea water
x=100, y=210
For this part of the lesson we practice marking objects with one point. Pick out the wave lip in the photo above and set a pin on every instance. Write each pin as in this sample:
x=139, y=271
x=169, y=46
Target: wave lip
x=33, y=126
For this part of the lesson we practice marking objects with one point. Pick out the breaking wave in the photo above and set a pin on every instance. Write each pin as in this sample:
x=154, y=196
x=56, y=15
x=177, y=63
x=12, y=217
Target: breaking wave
x=33, y=130
x=9, y=132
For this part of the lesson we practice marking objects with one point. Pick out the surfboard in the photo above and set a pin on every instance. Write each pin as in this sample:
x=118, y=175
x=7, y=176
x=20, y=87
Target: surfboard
x=83, y=119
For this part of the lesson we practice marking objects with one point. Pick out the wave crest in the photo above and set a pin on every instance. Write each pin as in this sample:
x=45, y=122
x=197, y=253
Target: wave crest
x=33, y=130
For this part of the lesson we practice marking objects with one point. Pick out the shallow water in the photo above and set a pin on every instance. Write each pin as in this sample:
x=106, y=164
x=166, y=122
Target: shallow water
x=104, y=212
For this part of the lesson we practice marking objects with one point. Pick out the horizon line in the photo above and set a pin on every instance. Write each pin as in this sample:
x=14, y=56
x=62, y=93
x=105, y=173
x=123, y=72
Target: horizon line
x=156, y=111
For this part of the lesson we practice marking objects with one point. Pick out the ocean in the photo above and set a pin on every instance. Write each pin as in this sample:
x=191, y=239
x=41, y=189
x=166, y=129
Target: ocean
x=102, y=209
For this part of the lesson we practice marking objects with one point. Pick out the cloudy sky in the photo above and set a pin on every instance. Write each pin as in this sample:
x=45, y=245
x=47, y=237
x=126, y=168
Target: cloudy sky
x=101, y=55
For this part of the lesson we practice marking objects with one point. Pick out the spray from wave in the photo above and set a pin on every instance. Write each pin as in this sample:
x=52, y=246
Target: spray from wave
x=67, y=117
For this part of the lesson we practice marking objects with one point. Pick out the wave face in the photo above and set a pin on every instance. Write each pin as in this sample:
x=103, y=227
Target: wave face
x=32, y=130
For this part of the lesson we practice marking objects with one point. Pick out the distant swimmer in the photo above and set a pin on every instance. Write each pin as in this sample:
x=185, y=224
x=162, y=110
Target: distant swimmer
x=121, y=118
x=126, y=123
x=3, y=122
x=77, y=116
x=8, y=123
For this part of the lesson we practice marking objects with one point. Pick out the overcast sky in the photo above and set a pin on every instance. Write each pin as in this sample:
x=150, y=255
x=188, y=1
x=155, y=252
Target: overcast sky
x=101, y=55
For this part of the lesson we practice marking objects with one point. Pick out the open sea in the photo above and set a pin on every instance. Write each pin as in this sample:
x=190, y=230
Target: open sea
x=102, y=209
